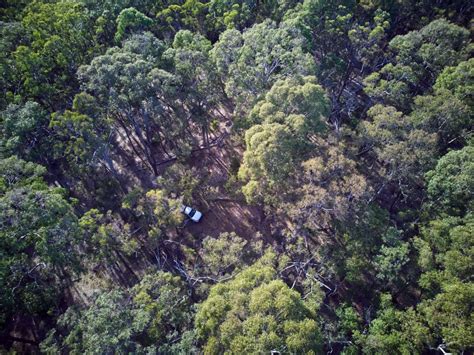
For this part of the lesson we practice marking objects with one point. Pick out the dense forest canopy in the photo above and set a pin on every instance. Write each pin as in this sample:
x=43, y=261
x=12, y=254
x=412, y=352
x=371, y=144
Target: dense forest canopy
x=328, y=145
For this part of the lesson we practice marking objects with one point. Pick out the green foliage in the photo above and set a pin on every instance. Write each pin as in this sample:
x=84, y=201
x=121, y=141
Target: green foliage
x=223, y=252
x=151, y=317
x=108, y=325
x=12, y=34
x=240, y=14
x=450, y=316
x=191, y=63
x=445, y=246
x=445, y=250
x=79, y=137
x=225, y=14
x=81, y=144
x=420, y=56
x=138, y=106
x=329, y=189
x=459, y=80
x=270, y=157
x=451, y=183
x=131, y=20
x=291, y=112
x=255, y=312
x=392, y=84
x=119, y=67
x=227, y=253
x=297, y=102
x=368, y=39
x=166, y=209
x=164, y=302
x=406, y=152
x=188, y=14
x=18, y=173
x=394, y=330
x=22, y=129
x=343, y=39
x=349, y=320
x=390, y=261
x=448, y=111
x=146, y=101
x=445, y=115
x=11, y=9
x=60, y=40
x=437, y=45
x=250, y=62
x=39, y=240
x=106, y=235
x=323, y=22
x=180, y=180
x=126, y=82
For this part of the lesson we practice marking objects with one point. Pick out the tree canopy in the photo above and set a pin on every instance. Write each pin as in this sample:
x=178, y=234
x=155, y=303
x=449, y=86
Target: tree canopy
x=255, y=312
x=236, y=176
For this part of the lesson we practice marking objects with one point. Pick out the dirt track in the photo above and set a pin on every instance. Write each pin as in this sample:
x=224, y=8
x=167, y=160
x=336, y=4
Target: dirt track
x=222, y=212
x=228, y=216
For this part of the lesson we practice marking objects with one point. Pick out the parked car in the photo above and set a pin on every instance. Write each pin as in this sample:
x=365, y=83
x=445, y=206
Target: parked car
x=192, y=213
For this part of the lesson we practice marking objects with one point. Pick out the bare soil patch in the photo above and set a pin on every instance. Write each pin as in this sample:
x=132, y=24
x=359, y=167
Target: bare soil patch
x=229, y=216
x=221, y=211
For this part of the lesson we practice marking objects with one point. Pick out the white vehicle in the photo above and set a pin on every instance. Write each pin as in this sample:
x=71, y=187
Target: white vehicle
x=195, y=215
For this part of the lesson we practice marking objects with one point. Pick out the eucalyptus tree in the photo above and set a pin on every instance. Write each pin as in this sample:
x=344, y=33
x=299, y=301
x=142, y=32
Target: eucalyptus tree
x=109, y=239
x=249, y=63
x=226, y=255
x=296, y=97
x=449, y=316
x=12, y=34
x=346, y=41
x=328, y=192
x=405, y=152
x=130, y=20
x=451, y=183
x=459, y=80
x=242, y=14
x=293, y=111
x=39, y=240
x=23, y=130
x=107, y=326
x=257, y=312
x=153, y=316
x=445, y=115
x=164, y=301
x=141, y=99
x=59, y=40
x=443, y=318
x=268, y=161
x=175, y=16
x=394, y=330
x=199, y=88
x=448, y=111
x=445, y=251
x=419, y=57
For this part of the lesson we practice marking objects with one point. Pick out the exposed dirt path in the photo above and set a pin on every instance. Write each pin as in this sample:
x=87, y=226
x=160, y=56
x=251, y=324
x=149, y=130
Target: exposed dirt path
x=229, y=216
x=221, y=211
